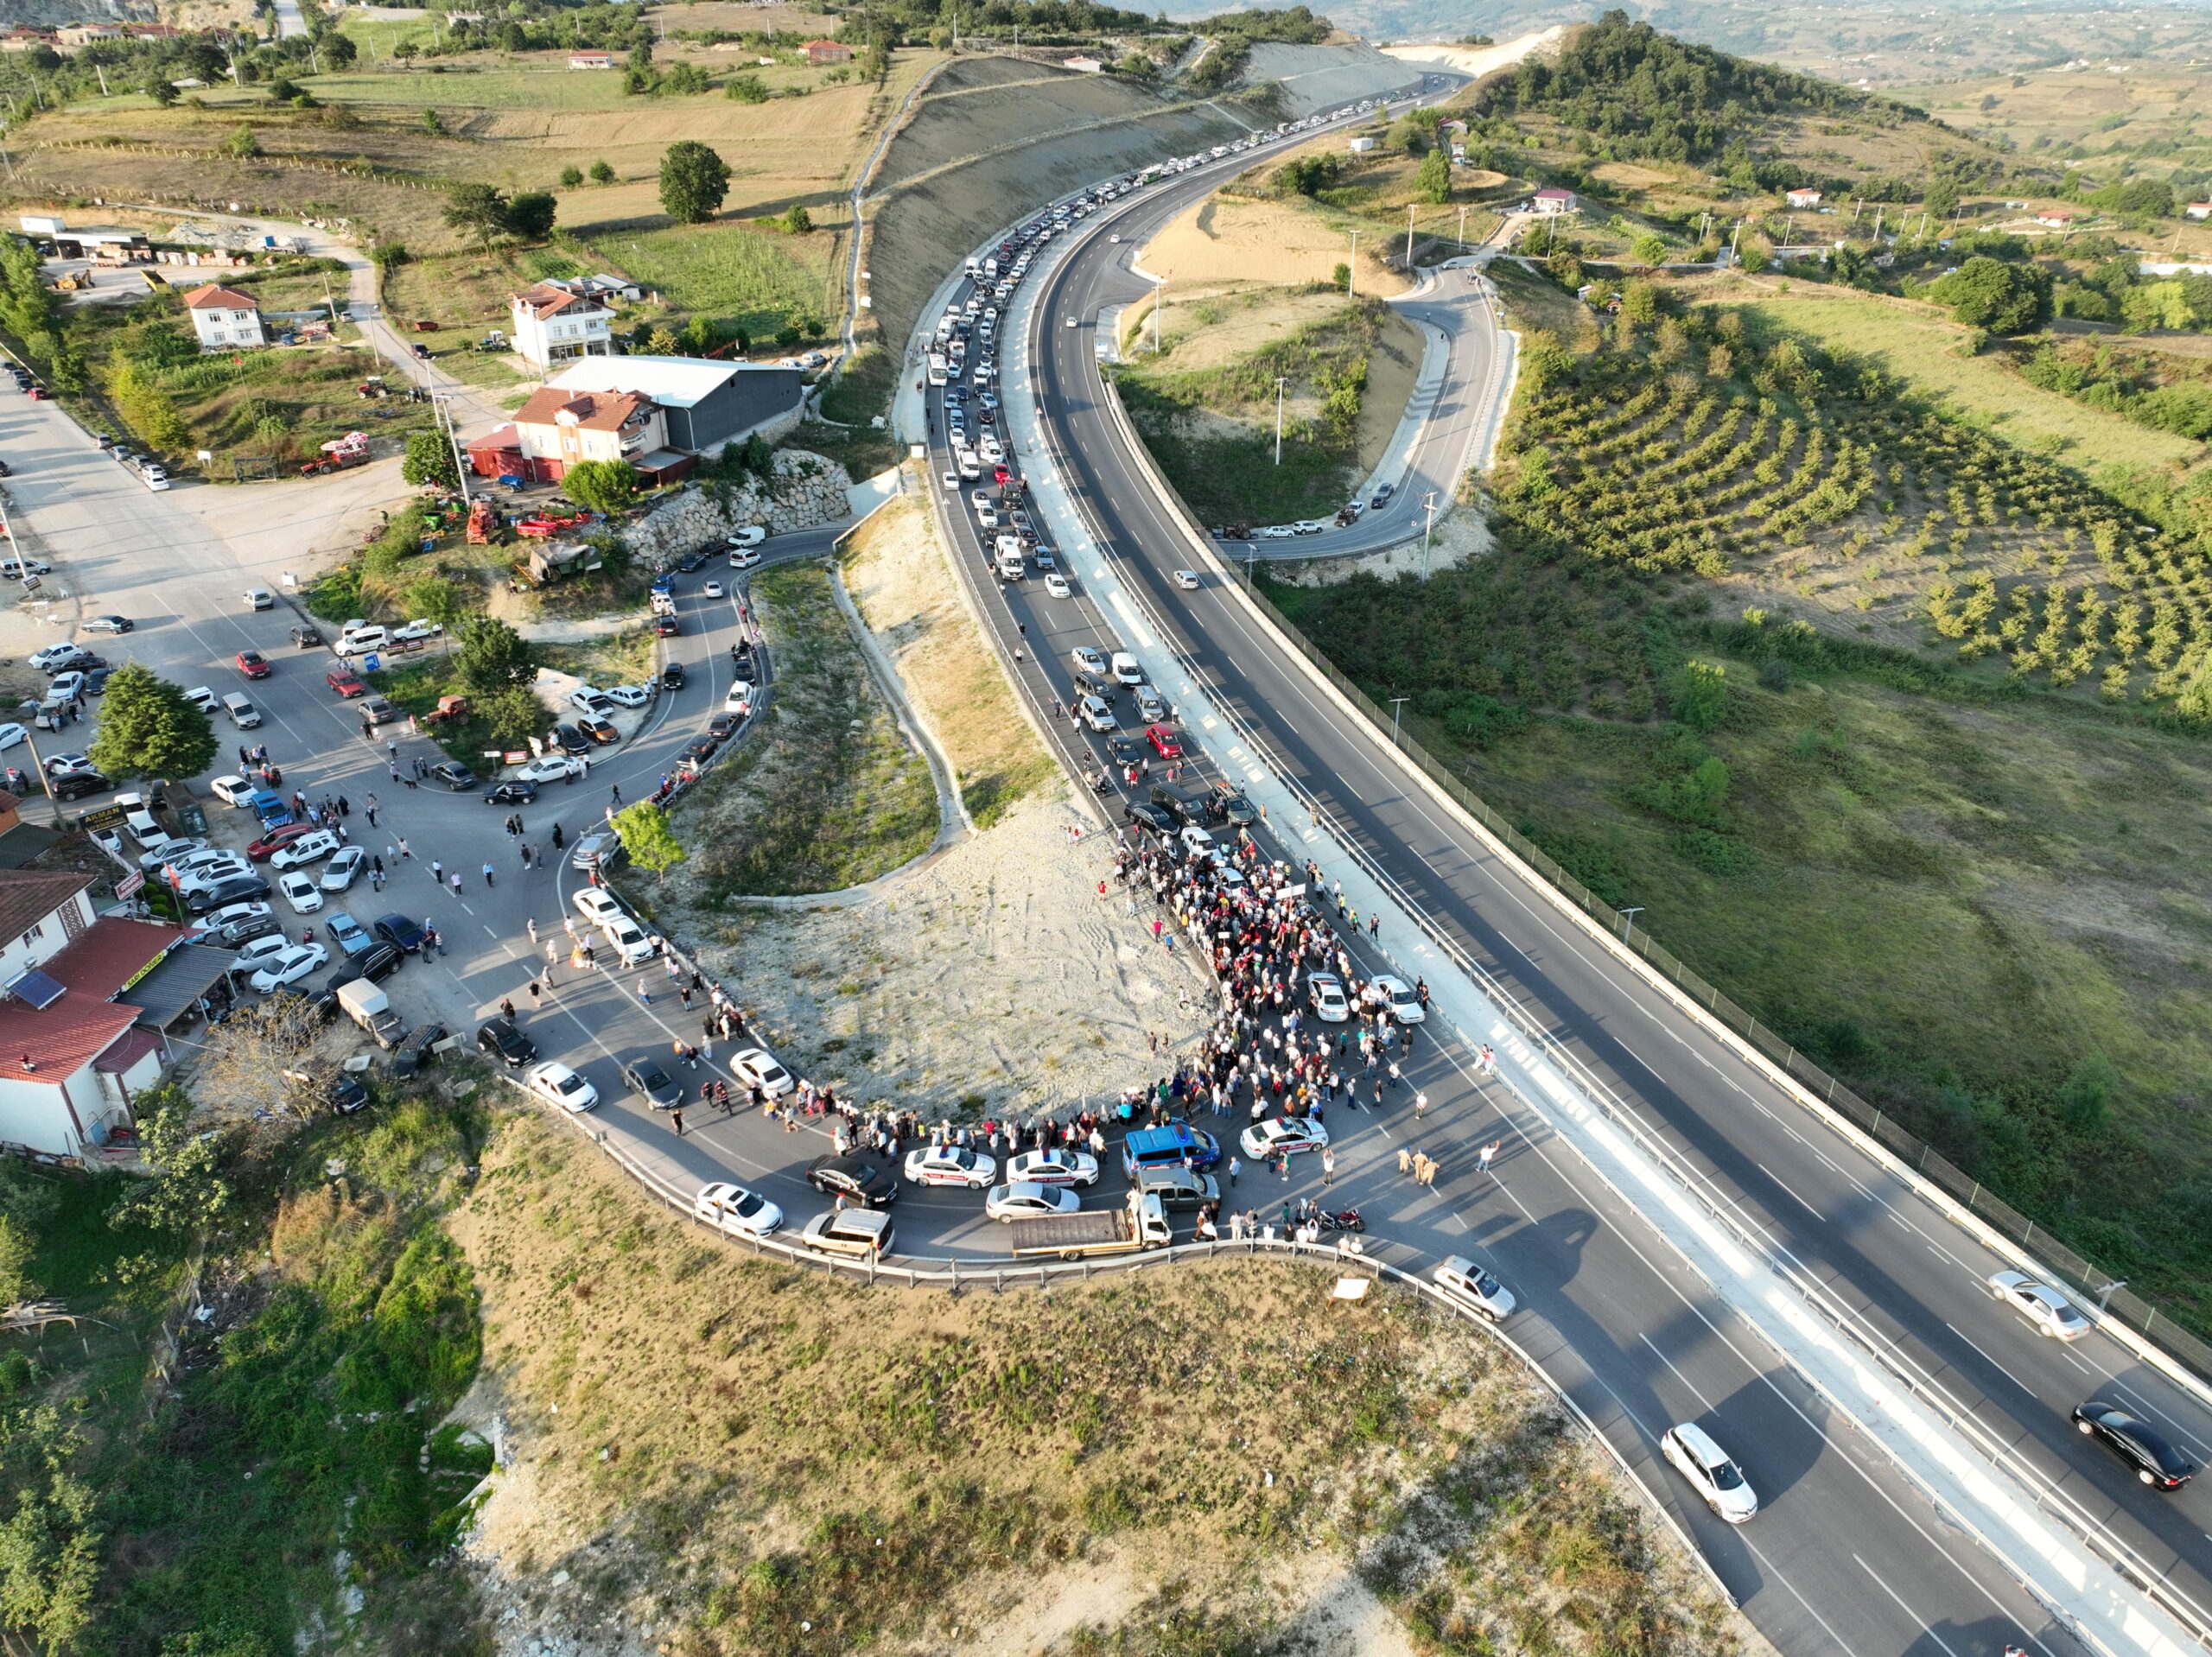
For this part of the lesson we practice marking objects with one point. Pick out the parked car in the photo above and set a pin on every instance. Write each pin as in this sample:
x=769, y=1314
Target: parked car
x=347, y=683
x=349, y=934
x=1479, y=1291
x=401, y=932
x=513, y=791
x=737, y=1210
x=645, y=1078
x=454, y=775
x=500, y=1039
x=344, y=868
x=558, y=1084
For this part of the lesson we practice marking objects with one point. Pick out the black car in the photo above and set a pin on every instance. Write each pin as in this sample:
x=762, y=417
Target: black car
x=245, y=932
x=380, y=961
x=690, y=562
x=852, y=1179
x=645, y=1078
x=2157, y=1462
x=1144, y=812
x=96, y=681
x=703, y=750
x=570, y=740
x=454, y=775
x=240, y=888
x=1125, y=752
x=722, y=725
x=1233, y=808
x=414, y=1049
x=1380, y=498
x=499, y=1038
x=347, y=1093
x=79, y=784
x=307, y=639
x=401, y=932
x=672, y=676
x=511, y=792
x=667, y=626
x=1180, y=807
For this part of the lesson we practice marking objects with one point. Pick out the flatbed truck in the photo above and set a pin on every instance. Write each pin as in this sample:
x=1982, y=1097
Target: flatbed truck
x=1139, y=1223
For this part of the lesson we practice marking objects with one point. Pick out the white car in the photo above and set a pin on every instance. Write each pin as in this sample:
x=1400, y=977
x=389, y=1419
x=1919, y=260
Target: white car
x=1025, y=1200
x=2052, y=1313
x=66, y=686
x=1326, y=992
x=1718, y=1480
x=1057, y=585
x=946, y=1165
x=1274, y=532
x=558, y=1084
x=1196, y=841
x=744, y=558
x=233, y=790
x=629, y=695
x=231, y=912
x=553, y=768
x=987, y=516
x=712, y=589
x=755, y=1068
x=173, y=849
x=1468, y=1284
x=1308, y=526
x=596, y=906
x=751, y=535
x=1053, y=1168
x=1091, y=661
x=1096, y=714
x=11, y=734
x=203, y=698
x=1402, y=999
x=259, y=952
x=55, y=657
x=308, y=848
x=628, y=940
x=296, y=961
x=1187, y=579
x=344, y=869
x=66, y=764
x=739, y=699
x=415, y=630
x=1264, y=1141
x=736, y=1210
x=980, y=499
x=951, y=482
x=1072, y=323
x=590, y=699
x=300, y=892
x=224, y=865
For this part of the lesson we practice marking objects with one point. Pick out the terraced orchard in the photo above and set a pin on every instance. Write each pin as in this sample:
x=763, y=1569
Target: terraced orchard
x=1791, y=475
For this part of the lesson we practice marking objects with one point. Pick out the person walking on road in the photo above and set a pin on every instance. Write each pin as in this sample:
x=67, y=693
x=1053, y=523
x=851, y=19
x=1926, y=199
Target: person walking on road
x=645, y=992
x=437, y=872
x=615, y=790
x=1421, y=1106
x=1234, y=1166
x=676, y=1121
x=532, y=924
x=1405, y=1160
x=456, y=883
x=1328, y=1165
x=488, y=876
x=1487, y=1155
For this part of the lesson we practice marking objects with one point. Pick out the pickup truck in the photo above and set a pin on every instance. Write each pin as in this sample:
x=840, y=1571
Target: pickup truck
x=1139, y=1223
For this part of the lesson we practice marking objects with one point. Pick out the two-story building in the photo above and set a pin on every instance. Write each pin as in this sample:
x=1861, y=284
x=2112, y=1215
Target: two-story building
x=548, y=325
x=1551, y=200
x=699, y=405
x=85, y=1005
x=558, y=428
x=224, y=318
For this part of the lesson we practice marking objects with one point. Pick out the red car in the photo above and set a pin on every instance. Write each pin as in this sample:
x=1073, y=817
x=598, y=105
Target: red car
x=36, y=393
x=1163, y=742
x=276, y=838
x=666, y=626
x=345, y=682
x=253, y=664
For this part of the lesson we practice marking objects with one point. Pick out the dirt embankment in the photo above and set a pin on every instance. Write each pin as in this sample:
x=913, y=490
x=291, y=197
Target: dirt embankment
x=994, y=138
x=704, y=1455
x=1228, y=238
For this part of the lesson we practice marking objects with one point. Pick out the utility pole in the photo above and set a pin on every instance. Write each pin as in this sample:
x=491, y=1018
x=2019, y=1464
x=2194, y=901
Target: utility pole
x=10, y=161
x=1396, y=702
x=1279, y=382
x=1857, y=202
x=1734, y=237
x=1427, y=530
x=1628, y=916
x=1159, y=298
x=102, y=74
x=1879, y=212
x=1463, y=228
x=1351, y=271
x=444, y=414
x=1410, y=238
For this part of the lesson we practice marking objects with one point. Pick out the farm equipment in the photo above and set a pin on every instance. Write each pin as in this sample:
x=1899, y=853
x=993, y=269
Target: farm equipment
x=480, y=523
x=422, y=325
x=373, y=387
x=495, y=340
x=539, y=526
x=338, y=455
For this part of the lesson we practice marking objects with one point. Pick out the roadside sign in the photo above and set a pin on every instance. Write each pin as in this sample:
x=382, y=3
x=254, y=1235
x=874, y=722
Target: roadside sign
x=105, y=817
x=129, y=884
x=370, y=662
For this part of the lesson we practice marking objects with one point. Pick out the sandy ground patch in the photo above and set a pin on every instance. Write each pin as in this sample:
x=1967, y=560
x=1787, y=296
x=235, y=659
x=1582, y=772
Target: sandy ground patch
x=740, y=19
x=1207, y=324
x=896, y=571
x=1225, y=238
x=1392, y=368
x=1479, y=61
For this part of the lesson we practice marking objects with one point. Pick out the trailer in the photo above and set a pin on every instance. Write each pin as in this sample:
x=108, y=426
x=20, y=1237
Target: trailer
x=1139, y=1223
x=338, y=455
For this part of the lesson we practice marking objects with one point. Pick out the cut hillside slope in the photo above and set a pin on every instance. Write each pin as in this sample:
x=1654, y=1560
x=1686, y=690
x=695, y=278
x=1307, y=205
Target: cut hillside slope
x=992, y=140
x=1312, y=78
x=747, y=1458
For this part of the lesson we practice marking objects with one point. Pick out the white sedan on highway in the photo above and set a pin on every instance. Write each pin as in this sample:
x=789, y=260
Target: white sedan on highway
x=1020, y=1200
x=1469, y=1284
x=2052, y=1313
x=558, y=1084
x=629, y=940
x=1400, y=997
x=756, y=1067
x=946, y=1165
x=1264, y=1141
x=1088, y=661
x=736, y=1210
x=1716, y=1478
x=291, y=965
x=1053, y=1168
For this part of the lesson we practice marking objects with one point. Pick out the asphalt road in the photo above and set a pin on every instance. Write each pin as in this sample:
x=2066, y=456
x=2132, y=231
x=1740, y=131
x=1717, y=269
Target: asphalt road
x=1831, y=1571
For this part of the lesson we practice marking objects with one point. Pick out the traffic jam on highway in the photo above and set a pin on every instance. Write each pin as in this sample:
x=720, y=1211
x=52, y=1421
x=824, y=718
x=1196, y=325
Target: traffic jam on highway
x=1190, y=843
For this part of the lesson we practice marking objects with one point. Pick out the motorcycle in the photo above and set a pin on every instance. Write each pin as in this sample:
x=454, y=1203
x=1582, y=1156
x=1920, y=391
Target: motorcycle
x=1344, y=1220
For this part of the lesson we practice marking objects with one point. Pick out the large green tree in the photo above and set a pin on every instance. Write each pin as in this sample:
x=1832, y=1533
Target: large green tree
x=648, y=839
x=1996, y=295
x=603, y=486
x=693, y=181
x=529, y=215
x=147, y=728
x=478, y=211
x=492, y=656
x=430, y=460
x=1433, y=180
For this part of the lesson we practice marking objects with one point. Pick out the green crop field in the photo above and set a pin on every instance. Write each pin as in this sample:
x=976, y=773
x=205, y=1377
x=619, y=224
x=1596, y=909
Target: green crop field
x=755, y=278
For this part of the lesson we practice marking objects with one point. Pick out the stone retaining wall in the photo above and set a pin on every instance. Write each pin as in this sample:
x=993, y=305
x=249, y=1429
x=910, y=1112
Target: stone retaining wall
x=807, y=489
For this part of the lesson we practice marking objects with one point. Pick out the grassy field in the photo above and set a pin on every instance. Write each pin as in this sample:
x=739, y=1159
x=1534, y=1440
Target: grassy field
x=753, y=277
x=827, y=794
x=627, y=657
x=1921, y=348
x=776, y=1463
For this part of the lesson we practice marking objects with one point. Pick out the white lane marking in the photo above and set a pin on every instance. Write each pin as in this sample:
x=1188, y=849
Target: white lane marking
x=1638, y=1057
x=1937, y=1249
x=1785, y=1185
x=1695, y=1391
x=1917, y=1620
x=1986, y=1358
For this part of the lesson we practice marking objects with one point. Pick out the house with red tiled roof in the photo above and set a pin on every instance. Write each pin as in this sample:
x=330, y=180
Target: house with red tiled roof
x=85, y=1005
x=547, y=324
x=560, y=427
x=822, y=52
x=224, y=318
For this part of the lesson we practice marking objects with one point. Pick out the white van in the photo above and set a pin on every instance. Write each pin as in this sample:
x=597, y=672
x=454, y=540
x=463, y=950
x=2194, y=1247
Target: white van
x=1126, y=670
x=244, y=713
x=360, y=641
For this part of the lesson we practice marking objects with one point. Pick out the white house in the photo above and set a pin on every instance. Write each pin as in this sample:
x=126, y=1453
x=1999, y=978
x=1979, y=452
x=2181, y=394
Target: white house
x=2198, y=210
x=75, y=1041
x=224, y=318
x=548, y=325
x=1555, y=200
x=591, y=59
x=1361, y=143
x=1801, y=199
x=1083, y=66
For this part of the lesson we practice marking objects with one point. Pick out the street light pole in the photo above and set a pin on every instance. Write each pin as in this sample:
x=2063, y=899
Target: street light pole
x=1159, y=284
x=1396, y=702
x=1279, y=381
x=1463, y=228
x=1629, y=915
x=1351, y=271
x=1410, y=238
x=1427, y=530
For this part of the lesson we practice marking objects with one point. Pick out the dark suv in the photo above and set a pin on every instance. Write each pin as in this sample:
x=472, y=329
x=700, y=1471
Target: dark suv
x=499, y=1038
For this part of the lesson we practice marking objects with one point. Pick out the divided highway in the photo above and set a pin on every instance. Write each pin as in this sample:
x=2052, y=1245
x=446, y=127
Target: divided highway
x=1847, y=1557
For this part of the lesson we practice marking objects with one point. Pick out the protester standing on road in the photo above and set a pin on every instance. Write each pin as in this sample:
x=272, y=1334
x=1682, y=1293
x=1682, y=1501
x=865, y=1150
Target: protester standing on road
x=1486, y=1155
x=488, y=876
x=437, y=872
